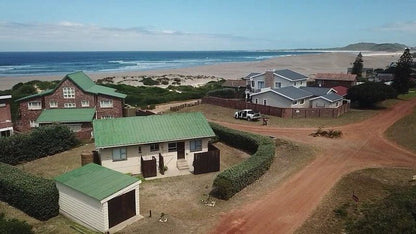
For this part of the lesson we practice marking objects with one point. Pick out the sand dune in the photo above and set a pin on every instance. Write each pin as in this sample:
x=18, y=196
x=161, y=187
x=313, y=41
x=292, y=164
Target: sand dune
x=306, y=64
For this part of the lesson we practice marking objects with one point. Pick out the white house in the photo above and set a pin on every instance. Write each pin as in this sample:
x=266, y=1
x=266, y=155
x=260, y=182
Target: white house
x=155, y=145
x=99, y=198
x=293, y=97
x=275, y=79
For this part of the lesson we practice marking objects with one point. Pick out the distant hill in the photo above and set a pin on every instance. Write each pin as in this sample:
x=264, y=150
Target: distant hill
x=362, y=46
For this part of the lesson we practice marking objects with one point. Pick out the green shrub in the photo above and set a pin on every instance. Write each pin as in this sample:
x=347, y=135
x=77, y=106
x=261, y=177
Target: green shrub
x=149, y=81
x=14, y=226
x=368, y=94
x=236, y=178
x=33, y=195
x=223, y=93
x=38, y=143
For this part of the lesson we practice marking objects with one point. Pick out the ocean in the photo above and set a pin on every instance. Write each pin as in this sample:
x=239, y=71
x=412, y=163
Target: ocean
x=53, y=63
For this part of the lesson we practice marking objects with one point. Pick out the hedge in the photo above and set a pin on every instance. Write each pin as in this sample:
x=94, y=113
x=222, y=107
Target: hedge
x=37, y=197
x=40, y=142
x=223, y=93
x=236, y=178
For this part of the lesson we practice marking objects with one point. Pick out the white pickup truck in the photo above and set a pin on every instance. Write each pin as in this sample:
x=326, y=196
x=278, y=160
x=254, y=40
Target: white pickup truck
x=247, y=114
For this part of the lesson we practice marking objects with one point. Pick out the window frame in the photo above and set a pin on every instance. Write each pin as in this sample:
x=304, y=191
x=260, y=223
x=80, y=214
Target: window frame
x=53, y=106
x=121, y=153
x=30, y=105
x=70, y=105
x=258, y=84
x=302, y=101
x=109, y=103
x=195, y=145
x=265, y=102
x=172, y=149
x=152, y=147
x=85, y=105
x=68, y=92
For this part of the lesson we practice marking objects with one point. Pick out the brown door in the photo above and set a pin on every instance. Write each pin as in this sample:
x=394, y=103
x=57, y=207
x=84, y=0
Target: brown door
x=181, y=149
x=121, y=208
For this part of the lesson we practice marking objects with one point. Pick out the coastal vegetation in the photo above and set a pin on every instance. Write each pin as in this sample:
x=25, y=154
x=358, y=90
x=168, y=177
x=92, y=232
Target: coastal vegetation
x=368, y=94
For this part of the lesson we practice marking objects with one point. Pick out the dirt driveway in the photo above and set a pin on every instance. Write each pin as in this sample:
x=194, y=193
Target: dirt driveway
x=287, y=206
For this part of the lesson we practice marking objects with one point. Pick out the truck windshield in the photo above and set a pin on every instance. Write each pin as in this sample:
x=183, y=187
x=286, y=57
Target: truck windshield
x=250, y=112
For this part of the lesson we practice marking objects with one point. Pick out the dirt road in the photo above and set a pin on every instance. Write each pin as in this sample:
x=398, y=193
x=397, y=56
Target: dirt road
x=289, y=205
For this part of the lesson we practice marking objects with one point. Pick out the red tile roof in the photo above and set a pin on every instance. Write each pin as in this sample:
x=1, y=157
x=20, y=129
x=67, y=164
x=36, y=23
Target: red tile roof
x=335, y=76
x=341, y=90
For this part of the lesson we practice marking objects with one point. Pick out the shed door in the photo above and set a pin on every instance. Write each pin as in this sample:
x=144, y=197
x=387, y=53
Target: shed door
x=121, y=208
x=180, y=149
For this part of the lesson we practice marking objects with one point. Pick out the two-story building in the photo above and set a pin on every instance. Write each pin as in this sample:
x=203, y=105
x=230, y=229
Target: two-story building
x=274, y=79
x=6, y=124
x=75, y=102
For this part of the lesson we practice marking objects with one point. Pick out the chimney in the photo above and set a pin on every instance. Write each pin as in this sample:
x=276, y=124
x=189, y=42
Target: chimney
x=269, y=79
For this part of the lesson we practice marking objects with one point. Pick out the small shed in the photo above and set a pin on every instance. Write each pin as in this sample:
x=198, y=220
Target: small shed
x=99, y=198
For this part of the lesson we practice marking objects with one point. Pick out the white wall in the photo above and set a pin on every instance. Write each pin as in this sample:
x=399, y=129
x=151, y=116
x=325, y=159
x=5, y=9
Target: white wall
x=322, y=103
x=286, y=83
x=273, y=99
x=132, y=164
x=81, y=208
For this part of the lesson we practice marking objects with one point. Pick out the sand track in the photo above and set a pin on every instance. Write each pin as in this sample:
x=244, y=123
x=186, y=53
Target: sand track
x=285, y=208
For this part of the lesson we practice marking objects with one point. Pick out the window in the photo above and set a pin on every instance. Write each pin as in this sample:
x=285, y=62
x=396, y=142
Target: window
x=253, y=83
x=265, y=102
x=277, y=85
x=53, y=104
x=106, y=103
x=336, y=104
x=154, y=147
x=119, y=154
x=85, y=103
x=33, y=124
x=69, y=105
x=295, y=102
x=34, y=105
x=260, y=84
x=302, y=101
x=107, y=117
x=195, y=145
x=2, y=104
x=301, y=82
x=294, y=84
x=172, y=147
x=139, y=150
x=69, y=92
x=256, y=100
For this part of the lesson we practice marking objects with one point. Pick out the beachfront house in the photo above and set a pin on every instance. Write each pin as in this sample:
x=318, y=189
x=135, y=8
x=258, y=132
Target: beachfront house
x=274, y=79
x=99, y=198
x=75, y=102
x=155, y=145
x=330, y=80
x=302, y=97
x=6, y=124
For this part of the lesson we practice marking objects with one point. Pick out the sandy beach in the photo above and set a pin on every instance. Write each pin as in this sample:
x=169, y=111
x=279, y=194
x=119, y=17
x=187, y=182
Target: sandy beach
x=306, y=64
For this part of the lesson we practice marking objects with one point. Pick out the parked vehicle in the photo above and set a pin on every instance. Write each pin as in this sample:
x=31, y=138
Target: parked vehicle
x=247, y=114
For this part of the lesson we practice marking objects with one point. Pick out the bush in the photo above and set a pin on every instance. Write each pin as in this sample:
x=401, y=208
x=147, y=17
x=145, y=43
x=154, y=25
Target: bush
x=236, y=178
x=223, y=93
x=33, y=195
x=38, y=143
x=368, y=94
x=149, y=81
x=14, y=226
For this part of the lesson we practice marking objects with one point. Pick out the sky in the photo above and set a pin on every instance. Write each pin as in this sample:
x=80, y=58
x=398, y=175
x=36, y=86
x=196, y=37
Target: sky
x=176, y=25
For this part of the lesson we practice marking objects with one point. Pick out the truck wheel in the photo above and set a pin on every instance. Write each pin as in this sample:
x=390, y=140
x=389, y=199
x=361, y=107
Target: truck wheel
x=249, y=119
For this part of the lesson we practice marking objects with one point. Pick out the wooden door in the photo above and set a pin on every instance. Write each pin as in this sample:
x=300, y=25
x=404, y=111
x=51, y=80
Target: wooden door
x=180, y=149
x=121, y=208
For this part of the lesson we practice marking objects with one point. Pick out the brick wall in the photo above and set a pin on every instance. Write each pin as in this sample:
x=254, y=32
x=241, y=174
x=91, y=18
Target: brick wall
x=268, y=79
x=26, y=115
x=80, y=96
x=5, y=114
x=115, y=112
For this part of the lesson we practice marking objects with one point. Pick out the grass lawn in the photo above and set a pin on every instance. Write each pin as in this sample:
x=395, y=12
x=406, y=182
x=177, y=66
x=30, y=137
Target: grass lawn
x=369, y=185
x=219, y=113
x=179, y=197
x=403, y=132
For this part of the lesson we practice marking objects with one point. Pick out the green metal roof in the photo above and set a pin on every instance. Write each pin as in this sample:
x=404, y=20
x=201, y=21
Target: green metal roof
x=96, y=181
x=85, y=83
x=47, y=91
x=67, y=115
x=150, y=129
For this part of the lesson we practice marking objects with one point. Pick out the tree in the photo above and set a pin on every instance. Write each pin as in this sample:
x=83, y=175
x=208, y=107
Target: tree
x=368, y=94
x=402, y=72
x=357, y=68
